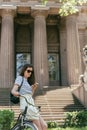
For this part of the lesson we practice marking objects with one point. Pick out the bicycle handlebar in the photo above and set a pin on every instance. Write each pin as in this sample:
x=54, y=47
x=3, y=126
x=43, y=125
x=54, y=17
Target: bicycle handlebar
x=39, y=107
x=27, y=100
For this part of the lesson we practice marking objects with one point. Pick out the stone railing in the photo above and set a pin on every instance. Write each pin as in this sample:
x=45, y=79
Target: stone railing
x=81, y=93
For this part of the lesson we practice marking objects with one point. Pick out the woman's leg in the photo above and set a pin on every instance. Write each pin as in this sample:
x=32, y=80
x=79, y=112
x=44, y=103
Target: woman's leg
x=41, y=124
x=37, y=123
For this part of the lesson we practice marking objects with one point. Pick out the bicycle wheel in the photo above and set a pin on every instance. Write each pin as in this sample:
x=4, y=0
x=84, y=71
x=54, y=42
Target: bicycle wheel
x=26, y=126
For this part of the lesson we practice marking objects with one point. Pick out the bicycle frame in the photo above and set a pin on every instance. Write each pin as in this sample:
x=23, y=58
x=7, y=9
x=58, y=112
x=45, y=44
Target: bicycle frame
x=22, y=117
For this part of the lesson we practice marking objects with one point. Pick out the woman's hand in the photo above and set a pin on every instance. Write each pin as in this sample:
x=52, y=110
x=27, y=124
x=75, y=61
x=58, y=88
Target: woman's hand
x=34, y=87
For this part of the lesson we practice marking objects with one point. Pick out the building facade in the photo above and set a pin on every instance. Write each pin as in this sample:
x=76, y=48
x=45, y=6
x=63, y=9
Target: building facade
x=33, y=33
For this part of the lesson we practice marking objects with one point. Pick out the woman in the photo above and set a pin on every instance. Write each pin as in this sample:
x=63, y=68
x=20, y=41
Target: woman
x=27, y=89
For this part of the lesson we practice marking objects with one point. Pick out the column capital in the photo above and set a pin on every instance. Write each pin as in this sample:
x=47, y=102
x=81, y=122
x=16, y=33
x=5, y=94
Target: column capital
x=72, y=18
x=39, y=11
x=8, y=12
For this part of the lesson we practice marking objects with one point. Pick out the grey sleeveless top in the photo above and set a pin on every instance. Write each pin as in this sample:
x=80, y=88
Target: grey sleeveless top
x=26, y=88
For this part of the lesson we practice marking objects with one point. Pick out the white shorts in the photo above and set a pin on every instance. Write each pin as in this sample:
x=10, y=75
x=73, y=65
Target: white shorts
x=32, y=111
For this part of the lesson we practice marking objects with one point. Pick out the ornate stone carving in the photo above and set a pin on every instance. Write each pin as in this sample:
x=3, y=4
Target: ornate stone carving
x=83, y=77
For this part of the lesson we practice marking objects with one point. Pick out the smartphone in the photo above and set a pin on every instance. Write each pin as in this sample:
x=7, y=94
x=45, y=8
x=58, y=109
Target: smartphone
x=36, y=83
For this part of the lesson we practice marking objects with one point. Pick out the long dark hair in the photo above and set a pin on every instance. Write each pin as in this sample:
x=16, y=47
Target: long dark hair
x=31, y=79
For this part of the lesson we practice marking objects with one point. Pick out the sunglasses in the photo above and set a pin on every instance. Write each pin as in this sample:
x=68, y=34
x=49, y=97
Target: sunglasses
x=29, y=71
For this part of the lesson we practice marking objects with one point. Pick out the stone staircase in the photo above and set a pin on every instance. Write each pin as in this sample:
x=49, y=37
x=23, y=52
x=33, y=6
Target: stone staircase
x=54, y=102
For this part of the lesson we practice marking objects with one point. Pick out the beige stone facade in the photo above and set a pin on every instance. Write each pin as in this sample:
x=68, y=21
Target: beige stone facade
x=28, y=27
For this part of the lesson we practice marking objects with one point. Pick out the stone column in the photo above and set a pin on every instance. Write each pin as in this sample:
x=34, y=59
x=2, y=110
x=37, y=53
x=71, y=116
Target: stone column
x=7, y=48
x=0, y=52
x=40, y=48
x=73, y=50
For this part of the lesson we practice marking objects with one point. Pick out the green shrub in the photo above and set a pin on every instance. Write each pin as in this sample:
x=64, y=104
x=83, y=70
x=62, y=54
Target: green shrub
x=52, y=124
x=76, y=119
x=6, y=118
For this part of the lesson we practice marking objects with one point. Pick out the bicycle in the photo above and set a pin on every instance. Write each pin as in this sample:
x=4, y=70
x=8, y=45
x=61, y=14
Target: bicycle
x=22, y=123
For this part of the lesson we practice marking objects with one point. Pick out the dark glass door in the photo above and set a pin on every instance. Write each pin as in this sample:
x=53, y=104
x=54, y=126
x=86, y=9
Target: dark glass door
x=53, y=62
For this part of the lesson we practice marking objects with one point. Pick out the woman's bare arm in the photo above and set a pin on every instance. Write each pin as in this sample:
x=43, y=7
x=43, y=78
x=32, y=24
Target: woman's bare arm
x=15, y=90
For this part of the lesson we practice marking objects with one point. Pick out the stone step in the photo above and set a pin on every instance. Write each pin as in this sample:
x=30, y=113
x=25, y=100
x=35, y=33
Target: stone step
x=58, y=105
